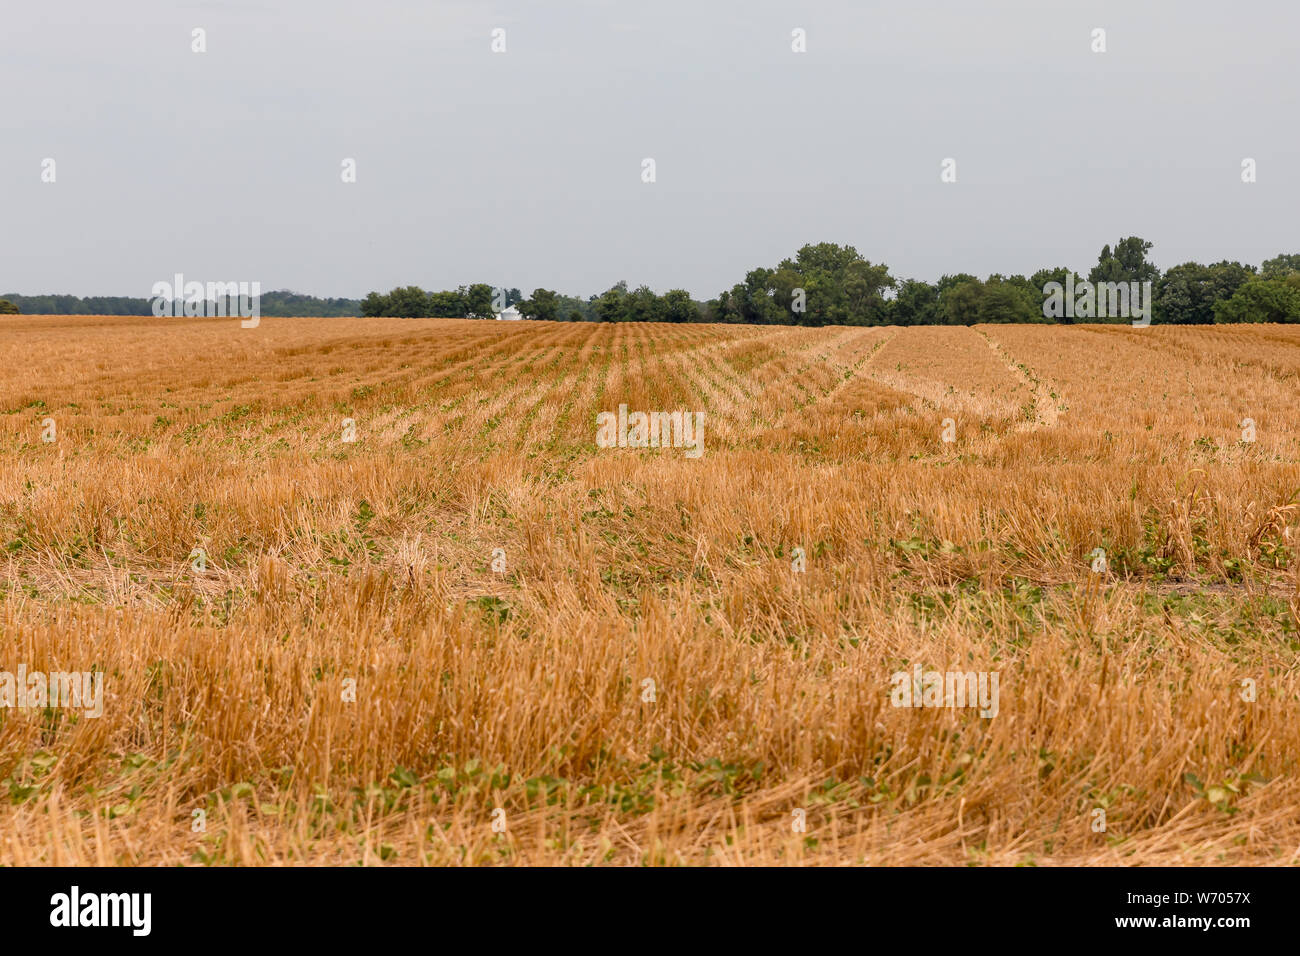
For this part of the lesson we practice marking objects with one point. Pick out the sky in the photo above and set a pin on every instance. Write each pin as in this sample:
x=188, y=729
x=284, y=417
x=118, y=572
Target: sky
x=524, y=168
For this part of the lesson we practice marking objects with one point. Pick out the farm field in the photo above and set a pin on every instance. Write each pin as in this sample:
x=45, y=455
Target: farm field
x=471, y=636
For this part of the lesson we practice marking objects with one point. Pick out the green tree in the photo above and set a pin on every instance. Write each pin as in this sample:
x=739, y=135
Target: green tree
x=448, y=304
x=726, y=307
x=1279, y=267
x=1043, y=276
x=478, y=301
x=408, y=302
x=781, y=286
x=917, y=303
x=822, y=284
x=1262, y=300
x=543, y=305
x=959, y=299
x=678, y=306
x=609, y=305
x=825, y=257
x=374, y=305
x=1126, y=263
x=1187, y=294
x=864, y=285
x=7, y=307
x=1060, y=275
x=758, y=299
x=642, y=305
x=1008, y=300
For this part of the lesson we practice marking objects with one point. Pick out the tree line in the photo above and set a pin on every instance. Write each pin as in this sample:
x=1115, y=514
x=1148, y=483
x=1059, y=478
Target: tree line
x=477, y=301
x=823, y=284
x=282, y=303
x=829, y=284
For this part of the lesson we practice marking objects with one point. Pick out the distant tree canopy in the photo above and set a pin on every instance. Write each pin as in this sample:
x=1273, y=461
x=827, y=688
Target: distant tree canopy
x=823, y=284
x=292, y=303
x=1189, y=294
x=618, y=304
x=477, y=301
x=641, y=304
x=1279, y=267
x=1262, y=300
x=834, y=284
x=547, y=305
x=281, y=303
x=73, y=305
x=1126, y=263
x=543, y=305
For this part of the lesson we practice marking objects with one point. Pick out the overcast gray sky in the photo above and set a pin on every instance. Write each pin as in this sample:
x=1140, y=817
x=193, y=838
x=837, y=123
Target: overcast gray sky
x=524, y=168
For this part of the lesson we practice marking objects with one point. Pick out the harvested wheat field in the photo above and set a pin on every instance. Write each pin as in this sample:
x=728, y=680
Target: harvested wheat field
x=472, y=635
